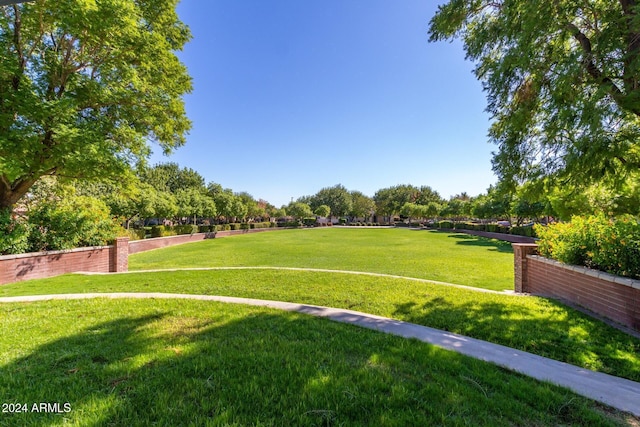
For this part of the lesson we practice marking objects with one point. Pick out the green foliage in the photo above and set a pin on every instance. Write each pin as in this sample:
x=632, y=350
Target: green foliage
x=134, y=233
x=322, y=210
x=611, y=245
x=528, y=231
x=14, y=234
x=254, y=225
x=299, y=210
x=171, y=178
x=162, y=231
x=561, y=81
x=185, y=229
x=361, y=205
x=70, y=223
x=84, y=100
x=337, y=198
x=445, y=224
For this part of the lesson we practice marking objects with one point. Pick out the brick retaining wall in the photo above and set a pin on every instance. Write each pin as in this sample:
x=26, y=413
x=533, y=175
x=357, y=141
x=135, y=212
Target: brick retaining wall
x=101, y=259
x=614, y=297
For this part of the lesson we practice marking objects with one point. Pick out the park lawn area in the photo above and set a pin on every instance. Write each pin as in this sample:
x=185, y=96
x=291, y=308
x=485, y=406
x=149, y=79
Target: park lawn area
x=446, y=257
x=531, y=324
x=159, y=362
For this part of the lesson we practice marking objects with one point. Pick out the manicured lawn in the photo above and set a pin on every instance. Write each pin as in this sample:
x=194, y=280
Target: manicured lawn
x=531, y=324
x=445, y=257
x=152, y=362
x=164, y=362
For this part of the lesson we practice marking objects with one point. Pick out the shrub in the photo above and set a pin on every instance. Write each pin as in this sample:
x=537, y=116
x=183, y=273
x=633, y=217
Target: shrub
x=445, y=224
x=157, y=231
x=162, y=231
x=14, y=234
x=204, y=229
x=234, y=226
x=70, y=223
x=186, y=229
x=255, y=225
x=133, y=233
x=611, y=245
x=523, y=231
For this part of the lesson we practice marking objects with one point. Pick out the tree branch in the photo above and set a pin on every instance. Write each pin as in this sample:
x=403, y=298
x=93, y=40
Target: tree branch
x=596, y=74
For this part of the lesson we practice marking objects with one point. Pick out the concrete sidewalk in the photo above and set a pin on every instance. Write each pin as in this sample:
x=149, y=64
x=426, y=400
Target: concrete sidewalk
x=616, y=392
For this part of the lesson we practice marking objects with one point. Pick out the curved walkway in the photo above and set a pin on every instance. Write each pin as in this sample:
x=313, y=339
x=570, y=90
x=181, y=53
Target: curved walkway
x=616, y=392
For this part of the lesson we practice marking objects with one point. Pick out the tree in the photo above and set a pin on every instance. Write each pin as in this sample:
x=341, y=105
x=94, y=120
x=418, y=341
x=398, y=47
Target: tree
x=337, y=198
x=322, y=211
x=562, y=80
x=83, y=101
x=192, y=204
x=171, y=178
x=389, y=201
x=362, y=206
x=299, y=210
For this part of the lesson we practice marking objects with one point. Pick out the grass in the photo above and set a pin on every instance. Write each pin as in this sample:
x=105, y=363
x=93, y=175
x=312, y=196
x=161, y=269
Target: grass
x=446, y=257
x=163, y=362
x=531, y=324
x=152, y=362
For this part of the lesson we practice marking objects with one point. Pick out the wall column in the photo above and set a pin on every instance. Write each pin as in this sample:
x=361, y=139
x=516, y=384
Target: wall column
x=120, y=255
x=520, y=252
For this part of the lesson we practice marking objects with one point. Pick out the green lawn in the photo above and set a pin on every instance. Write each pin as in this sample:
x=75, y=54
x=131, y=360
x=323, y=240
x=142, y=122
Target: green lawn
x=445, y=257
x=531, y=324
x=152, y=362
x=165, y=363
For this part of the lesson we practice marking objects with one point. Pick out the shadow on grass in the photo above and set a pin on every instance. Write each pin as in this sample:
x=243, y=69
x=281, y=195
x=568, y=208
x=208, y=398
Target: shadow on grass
x=492, y=244
x=271, y=369
x=560, y=333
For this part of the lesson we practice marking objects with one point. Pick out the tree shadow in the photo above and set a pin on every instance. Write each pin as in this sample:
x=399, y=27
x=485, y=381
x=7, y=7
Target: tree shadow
x=560, y=333
x=269, y=368
x=491, y=244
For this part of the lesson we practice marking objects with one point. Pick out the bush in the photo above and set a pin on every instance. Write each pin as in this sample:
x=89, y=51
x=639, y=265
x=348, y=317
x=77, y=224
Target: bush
x=611, y=245
x=14, y=234
x=133, y=233
x=157, y=231
x=293, y=224
x=162, y=231
x=445, y=224
x=255, y=225
x=523, y=231
x=186, y=229
x=70, y=223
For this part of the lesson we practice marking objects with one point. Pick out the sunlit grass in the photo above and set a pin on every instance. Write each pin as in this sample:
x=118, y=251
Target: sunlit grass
x=531, y=324
x=446, y=257
x=170, y=362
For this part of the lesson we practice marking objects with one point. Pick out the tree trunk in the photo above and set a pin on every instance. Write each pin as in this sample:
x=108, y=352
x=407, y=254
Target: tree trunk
x=10, y=193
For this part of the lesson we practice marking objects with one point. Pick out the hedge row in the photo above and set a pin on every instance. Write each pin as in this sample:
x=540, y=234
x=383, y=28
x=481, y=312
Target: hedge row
x=165, y=230
x=598, y=242
x=528, y=231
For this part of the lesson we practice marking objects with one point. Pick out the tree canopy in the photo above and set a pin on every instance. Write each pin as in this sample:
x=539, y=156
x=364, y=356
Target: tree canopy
x=562, y=80
x=85, y=86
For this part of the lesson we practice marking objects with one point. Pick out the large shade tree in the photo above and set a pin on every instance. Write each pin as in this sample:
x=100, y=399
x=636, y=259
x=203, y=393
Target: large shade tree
x=85, y=86
x=562, y=79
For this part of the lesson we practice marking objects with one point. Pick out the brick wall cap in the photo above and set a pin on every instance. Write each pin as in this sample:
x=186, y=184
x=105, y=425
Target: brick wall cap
x=47, y=253
x=624, y=281
x=525, y=245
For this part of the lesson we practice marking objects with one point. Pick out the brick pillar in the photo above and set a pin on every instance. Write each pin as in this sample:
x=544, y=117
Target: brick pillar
x=520, y=252
x=120, y=255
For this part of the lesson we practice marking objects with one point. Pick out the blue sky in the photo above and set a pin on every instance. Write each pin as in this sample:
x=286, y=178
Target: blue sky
x=292, y=96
